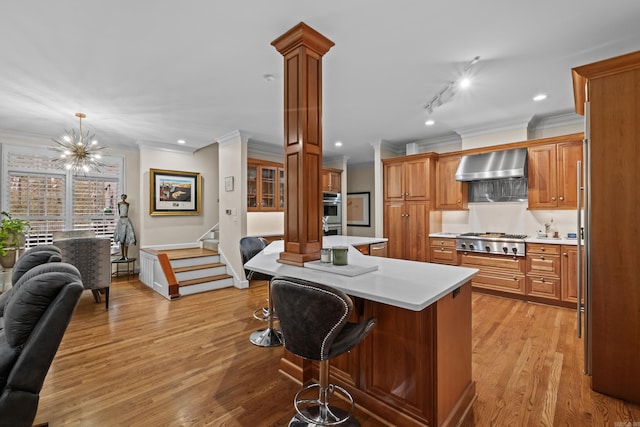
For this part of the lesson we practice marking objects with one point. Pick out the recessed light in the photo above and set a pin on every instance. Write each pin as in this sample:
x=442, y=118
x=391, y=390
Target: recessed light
x=540, y=97
x=268, y=77
x=338, y=144
x=182, y=141
x=430, y=122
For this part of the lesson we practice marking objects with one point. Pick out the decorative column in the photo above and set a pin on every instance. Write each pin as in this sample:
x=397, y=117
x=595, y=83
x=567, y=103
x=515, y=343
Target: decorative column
x=302, y=48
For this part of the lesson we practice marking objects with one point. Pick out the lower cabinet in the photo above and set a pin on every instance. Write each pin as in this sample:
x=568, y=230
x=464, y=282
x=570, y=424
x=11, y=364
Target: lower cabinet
x=443, y=251
x=406, y=225
x=497, y=272
x=543, y=271
x=569, y=267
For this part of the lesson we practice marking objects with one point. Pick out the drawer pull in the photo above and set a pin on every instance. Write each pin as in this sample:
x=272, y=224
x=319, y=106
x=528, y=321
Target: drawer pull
x=542, y=257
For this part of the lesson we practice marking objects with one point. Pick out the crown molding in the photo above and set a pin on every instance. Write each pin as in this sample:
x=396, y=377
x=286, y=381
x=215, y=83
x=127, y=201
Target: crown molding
x=495, y=127
x=557, y=120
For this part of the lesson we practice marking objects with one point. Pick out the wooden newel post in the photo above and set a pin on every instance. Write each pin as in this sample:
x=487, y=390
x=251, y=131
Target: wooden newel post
x=302, y=48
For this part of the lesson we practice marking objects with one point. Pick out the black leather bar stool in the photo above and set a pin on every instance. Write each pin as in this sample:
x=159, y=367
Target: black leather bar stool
x=269, y=337
x=314, y=322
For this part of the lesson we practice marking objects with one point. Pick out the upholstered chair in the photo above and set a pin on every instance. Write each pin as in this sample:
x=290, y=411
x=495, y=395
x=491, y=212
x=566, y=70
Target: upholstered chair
x=269, y=336
x=92, y=257
x=314, y=320
x=34, y=320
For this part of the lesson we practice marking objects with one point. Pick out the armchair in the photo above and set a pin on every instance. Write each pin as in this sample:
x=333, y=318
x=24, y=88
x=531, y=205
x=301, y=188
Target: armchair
x=92, y=257
x=32, y=325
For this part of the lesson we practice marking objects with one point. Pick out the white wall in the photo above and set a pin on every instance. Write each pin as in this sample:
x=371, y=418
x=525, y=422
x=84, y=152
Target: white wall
x=165, y=230
x=362, y=180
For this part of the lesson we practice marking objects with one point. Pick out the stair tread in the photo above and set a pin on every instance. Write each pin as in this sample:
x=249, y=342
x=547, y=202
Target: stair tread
x=197, y=267
x=204, y=279
x=187, y=253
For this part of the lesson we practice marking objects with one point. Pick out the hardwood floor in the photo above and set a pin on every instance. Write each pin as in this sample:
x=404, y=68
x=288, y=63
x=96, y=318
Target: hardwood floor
x=188, y=362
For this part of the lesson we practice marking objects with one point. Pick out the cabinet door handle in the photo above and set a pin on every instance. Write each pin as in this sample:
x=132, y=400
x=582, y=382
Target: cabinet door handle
x=553, y=199
x=565, y=254
x=561, y=198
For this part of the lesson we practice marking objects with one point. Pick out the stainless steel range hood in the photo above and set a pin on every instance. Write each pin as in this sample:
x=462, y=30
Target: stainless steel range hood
x=494, y=165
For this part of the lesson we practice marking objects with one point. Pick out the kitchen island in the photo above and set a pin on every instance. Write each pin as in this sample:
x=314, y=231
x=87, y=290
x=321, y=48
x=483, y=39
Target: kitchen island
x=414, y=369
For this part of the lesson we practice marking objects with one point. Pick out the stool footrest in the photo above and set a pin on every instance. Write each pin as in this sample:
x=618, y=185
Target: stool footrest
x=319, y=411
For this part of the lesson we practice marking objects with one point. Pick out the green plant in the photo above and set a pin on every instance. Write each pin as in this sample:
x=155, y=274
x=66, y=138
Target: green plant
x=10, y=231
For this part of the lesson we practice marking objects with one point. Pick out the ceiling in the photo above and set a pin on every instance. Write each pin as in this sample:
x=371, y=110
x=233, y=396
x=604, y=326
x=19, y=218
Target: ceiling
x=153, y=72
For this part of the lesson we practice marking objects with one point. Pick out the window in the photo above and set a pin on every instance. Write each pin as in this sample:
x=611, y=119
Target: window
x=52, y=199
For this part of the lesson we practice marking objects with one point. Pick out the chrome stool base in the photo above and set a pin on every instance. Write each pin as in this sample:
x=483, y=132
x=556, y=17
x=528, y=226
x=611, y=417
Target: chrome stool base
x=269, y=337
x=297, y=421
x=318, y=411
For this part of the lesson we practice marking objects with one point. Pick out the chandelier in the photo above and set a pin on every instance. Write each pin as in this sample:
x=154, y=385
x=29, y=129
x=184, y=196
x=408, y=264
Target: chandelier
x=78, y=153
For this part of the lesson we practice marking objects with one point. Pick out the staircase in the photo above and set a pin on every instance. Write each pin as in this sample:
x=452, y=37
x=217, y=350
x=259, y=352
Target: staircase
x=198, y=270
x=183, y=271
x=210, y=239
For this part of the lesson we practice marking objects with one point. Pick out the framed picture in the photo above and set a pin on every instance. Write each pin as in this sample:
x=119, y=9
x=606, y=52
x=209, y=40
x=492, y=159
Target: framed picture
x=358, y=205
x=174, y=192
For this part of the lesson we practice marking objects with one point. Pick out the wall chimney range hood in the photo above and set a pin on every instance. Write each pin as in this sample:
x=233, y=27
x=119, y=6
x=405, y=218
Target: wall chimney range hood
x=494, y=165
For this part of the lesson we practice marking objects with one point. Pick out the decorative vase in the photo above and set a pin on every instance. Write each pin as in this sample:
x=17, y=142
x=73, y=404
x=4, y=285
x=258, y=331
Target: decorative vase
x=7, y=261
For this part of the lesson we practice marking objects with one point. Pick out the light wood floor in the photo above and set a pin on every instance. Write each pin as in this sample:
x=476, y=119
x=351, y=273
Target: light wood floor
x=188, y=362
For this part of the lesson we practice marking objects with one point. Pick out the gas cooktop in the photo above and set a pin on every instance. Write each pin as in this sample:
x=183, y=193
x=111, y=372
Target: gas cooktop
x=492, y=243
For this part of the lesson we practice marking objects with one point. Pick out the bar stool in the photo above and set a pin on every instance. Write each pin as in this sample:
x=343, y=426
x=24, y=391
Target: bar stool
x=314, y=322
x=269, y=337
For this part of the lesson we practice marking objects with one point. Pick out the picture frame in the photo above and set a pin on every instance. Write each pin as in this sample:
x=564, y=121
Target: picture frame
x=174, y=192
x=358, y=209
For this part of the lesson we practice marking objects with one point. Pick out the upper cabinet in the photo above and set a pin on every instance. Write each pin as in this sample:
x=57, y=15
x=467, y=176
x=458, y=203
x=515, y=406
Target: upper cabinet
x=409, y=178
x=265, y=186
x=553, y=175
x=450, y=194
x=331, y=181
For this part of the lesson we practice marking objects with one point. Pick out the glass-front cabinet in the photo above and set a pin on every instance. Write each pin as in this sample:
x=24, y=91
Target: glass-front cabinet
x=265, y=186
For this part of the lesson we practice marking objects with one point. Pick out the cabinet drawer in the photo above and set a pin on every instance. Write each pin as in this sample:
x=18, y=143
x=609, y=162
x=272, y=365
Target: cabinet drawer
x=444, y=255
x=512, y=283
x=506, y=264
x=543, y=264
x=543, y=248
x=542, y=286
x=442, y=242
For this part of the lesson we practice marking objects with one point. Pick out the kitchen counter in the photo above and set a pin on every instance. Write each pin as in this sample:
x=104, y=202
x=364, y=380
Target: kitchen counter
x=552, y=241
x=406, y=284
x=533, y=239
x=415, y=365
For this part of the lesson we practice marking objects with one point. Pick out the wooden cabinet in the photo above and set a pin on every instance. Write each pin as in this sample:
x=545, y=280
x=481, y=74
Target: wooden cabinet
x=612, y=89
x=443, y=251
x=553, y=175
x=406, y=225
x=410, y=178
x=331, y=180
x=409, y=183
x=265, y=186
x=569, y=261
x=450, y=194
x=497, y=272
x=543, y=270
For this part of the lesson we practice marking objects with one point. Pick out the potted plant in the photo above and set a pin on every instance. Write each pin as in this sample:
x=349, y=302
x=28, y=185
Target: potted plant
x=11, y=238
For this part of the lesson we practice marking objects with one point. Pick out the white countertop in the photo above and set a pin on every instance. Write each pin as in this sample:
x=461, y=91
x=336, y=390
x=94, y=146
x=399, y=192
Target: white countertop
x=406, y=284
x=549, y=240
x=552, y=241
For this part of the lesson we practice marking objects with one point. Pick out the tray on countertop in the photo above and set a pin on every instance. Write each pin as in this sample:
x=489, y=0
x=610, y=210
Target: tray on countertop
x=345, y=270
